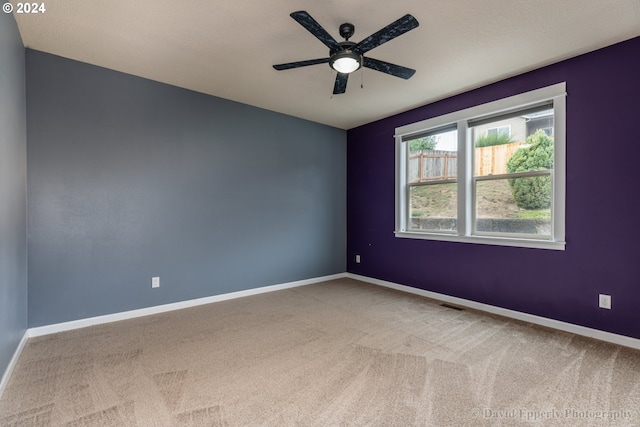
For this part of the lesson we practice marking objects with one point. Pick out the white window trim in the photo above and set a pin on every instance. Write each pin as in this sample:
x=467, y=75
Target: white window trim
x=555, y=93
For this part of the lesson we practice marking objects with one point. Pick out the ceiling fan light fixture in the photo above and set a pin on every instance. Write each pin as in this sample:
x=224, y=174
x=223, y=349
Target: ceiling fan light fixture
x=346, y=61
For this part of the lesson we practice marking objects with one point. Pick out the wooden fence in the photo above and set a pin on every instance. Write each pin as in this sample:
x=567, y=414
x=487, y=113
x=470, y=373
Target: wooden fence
x=493, y=160
x=431, y=165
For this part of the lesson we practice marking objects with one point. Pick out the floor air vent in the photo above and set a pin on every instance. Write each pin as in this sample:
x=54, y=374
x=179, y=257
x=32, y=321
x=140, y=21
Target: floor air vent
x=452, y=307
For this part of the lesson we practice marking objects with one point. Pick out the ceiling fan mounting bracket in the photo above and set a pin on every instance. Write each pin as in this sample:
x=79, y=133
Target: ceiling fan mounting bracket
x=347, y=30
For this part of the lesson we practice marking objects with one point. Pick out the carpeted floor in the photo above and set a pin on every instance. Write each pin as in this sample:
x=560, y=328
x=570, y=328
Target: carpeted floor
x=336, y=353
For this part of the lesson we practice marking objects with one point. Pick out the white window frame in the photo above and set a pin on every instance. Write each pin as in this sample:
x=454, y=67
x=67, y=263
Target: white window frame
x=556, y=241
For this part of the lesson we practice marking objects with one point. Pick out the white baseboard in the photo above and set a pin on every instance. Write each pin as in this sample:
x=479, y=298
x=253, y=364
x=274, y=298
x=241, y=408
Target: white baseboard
x=530, y=318
x=12, y=363
x=83, y=323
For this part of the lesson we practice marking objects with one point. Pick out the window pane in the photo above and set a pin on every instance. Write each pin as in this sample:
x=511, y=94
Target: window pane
x=500, y=205
x=519, y=205
x=504, y=130
x=519, y=143
x=433, y=158
x=434, y=207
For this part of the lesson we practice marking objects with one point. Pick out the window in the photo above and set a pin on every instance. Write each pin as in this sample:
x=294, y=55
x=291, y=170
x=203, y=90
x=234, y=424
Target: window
x=503, y=130
x=543, y=120
x=491, y=174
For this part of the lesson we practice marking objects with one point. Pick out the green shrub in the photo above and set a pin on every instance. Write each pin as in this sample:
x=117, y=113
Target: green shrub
x=532, y=192
x=424, y=143
x=493, y=139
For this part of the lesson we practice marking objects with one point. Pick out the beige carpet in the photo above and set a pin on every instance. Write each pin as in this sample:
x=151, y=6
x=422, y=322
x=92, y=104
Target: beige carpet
x=336, y=353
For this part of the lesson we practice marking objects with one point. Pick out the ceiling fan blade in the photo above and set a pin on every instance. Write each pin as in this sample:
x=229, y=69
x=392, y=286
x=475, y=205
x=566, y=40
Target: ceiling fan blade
x=299, y=64
x=390, y=32
x=389, y=68
x=341, y=83
x=316, y=29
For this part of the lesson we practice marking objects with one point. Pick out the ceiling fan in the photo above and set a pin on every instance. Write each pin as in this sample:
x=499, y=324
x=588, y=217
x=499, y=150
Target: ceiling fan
x=346, y=57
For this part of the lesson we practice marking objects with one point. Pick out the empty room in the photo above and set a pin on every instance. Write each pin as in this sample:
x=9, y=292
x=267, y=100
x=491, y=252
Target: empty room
x=293, y=213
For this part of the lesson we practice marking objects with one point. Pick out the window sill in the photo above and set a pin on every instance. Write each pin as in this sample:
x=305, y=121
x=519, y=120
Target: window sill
x=484, y=240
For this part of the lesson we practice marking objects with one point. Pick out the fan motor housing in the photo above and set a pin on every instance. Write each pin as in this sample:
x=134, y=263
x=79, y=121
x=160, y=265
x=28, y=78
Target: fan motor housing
x=344, y=46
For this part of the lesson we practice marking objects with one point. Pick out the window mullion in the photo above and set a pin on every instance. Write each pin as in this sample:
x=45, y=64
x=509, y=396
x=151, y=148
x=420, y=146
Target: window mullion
x=465, y=161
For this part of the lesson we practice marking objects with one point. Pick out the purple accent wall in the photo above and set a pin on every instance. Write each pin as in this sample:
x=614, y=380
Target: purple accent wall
x=603, y=205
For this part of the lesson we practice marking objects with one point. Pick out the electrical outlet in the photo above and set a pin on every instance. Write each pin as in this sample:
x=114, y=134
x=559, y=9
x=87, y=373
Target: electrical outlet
x=155, y=282
x=605, y=301
x=357, y=259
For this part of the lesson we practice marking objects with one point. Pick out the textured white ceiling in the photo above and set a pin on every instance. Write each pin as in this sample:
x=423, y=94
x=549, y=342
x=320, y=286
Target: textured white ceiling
x=227, y=48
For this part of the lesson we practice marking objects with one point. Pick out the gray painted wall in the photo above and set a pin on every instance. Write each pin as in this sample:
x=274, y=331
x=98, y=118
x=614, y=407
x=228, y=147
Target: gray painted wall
x=129, y=179
x=13, y=171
